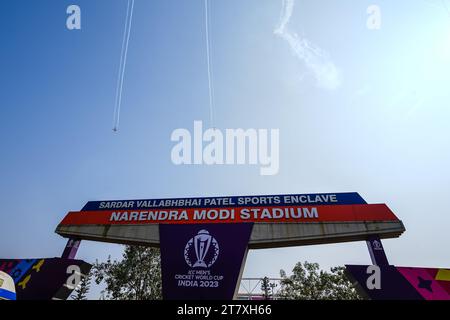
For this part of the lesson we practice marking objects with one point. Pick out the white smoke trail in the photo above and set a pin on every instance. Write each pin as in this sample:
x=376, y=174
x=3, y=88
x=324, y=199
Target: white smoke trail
x=316, y=60
x=119, y=77
x=123, y=63
x=208, y=57
x=286, y=14
x=444, y=3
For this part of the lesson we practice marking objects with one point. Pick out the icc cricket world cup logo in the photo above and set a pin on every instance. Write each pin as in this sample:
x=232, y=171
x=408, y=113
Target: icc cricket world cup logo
x=201, y=251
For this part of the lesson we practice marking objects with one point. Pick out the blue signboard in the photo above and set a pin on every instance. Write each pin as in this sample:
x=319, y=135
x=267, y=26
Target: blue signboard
x=235, y=201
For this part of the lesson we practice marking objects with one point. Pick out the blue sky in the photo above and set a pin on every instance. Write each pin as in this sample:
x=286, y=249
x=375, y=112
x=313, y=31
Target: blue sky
x=383, y=131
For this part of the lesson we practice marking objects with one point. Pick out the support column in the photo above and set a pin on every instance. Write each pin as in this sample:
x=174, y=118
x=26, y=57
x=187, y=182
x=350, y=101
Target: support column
x=376, y=251
x=71, y=249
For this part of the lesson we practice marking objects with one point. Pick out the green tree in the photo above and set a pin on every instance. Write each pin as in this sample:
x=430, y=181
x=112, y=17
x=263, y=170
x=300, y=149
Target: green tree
x=267, y=288
x=83, y=288
x=136, y=277
x=308, y=282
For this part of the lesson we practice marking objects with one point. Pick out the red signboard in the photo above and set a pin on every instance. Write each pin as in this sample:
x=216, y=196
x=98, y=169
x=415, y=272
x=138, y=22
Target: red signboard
x=269, y=214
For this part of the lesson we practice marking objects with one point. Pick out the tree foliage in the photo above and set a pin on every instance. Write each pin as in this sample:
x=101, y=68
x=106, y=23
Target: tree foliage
x=136, y=277
x=308, y=282
x=83, y=288
x=268, y=288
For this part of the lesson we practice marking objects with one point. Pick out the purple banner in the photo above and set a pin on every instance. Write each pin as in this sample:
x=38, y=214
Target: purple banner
x=387, y=282
x=202, y=261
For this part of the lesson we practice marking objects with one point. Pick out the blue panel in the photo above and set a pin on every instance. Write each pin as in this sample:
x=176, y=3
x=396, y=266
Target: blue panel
x=235, y=201
x=8, y=295
x=21, y=269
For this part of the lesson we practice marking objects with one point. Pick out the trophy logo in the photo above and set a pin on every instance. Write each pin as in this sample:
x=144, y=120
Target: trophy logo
x=201, y=251
x=377, y=245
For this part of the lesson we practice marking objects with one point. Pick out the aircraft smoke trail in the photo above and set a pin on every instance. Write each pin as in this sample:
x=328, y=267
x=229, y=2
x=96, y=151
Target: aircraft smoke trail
x=316, y=60
x=446, y=7
x=123, y=62
x=208, y=57
x=119, y=77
